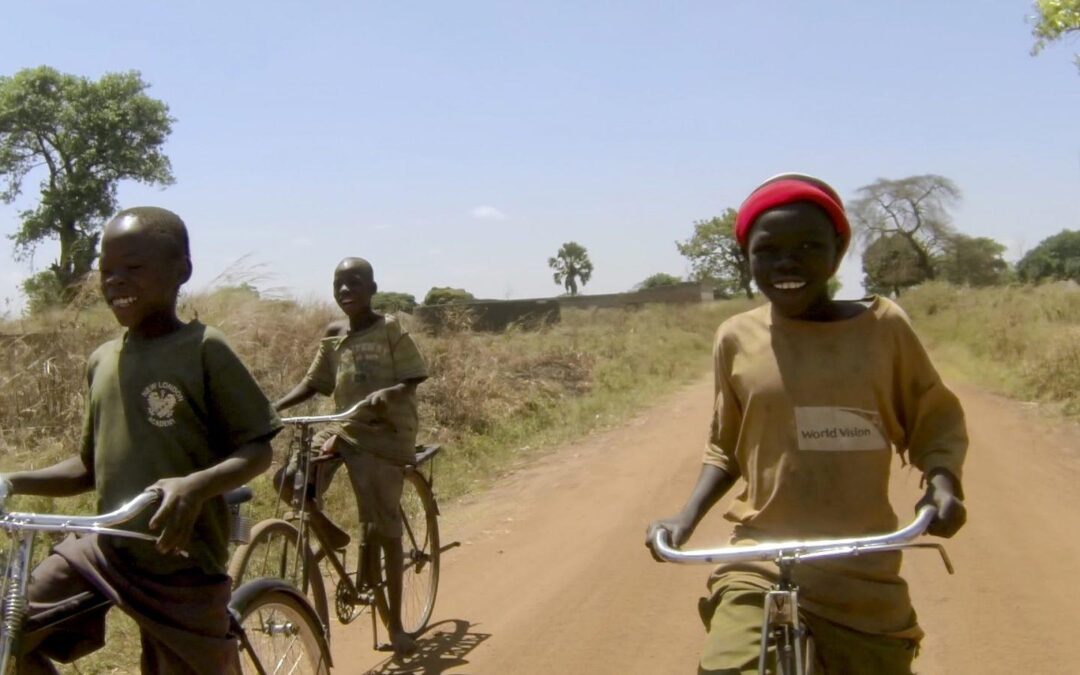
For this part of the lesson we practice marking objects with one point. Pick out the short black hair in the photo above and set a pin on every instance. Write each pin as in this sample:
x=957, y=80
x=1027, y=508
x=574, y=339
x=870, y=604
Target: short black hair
x=162, y=224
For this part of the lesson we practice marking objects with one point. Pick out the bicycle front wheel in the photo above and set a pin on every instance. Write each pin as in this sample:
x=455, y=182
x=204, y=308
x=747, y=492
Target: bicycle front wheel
x=279, y=631
x=420, y=545
x=272, y=552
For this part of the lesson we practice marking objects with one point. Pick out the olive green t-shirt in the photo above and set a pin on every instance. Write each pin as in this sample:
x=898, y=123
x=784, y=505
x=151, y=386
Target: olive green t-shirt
x=163, y=408
x=354, y=365
x=808, y=414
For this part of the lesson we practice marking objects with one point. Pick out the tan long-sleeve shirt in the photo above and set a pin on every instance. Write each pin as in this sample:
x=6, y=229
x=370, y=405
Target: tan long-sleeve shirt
x=809, y=414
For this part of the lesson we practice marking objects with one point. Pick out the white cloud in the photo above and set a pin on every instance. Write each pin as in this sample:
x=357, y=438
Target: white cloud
x=487, y=213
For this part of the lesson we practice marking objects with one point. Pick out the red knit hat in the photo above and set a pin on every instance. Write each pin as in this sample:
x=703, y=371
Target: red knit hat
x=787, y=189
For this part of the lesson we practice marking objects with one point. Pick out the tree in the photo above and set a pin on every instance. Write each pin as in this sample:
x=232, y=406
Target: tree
x=1055, y=19
x=393, y=302
x=1056, y=257
x=444, y=295
x=86, y=137
x=571, y=264
x=659, y=279
x=914, y=209
x=891, y=264
x=716, y=256
x=973, y=261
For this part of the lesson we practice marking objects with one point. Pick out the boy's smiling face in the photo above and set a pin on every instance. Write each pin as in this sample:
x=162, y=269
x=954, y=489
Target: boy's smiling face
x=794, y=251
x=353, y=287
x=141, y=275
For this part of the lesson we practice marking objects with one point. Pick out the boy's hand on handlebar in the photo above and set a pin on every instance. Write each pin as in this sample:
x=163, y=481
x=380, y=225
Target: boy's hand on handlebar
x=679, y=529
x=941, y=491
x=177, y=513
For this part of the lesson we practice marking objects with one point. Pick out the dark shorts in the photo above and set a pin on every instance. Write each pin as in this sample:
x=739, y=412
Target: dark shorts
x=733, y=618
x=183, y=618
x=377, y=483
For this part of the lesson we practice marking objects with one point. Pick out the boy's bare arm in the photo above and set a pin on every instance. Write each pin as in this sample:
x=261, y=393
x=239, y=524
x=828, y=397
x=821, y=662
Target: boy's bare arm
x=183, y=497
x=712, y=484
x=300, y=393
x=63, y=479
x=381, y=396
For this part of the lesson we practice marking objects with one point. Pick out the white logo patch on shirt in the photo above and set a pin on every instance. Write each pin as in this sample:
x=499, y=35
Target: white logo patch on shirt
x=161, y=399
x=832, y=429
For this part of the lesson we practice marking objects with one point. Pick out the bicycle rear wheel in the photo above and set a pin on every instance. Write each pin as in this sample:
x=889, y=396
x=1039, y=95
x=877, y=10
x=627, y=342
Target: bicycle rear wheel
x=420, y=545
x=279, y=630
x=272, y=552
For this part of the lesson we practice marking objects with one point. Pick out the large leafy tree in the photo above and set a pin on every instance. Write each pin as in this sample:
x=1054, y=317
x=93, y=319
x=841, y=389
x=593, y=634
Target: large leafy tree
x=571, y=265
x=83, y=137
x=445, y=295
x=915, y=209
x=658, y=280
x=1055, y=19
x=716, y=256
x=890, y=264
x=393, y=302
x=1056, y=257
x=973, y=261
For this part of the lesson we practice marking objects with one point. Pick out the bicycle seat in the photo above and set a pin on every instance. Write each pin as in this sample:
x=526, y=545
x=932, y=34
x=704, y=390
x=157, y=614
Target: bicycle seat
x=426, y=452
x=239, y=495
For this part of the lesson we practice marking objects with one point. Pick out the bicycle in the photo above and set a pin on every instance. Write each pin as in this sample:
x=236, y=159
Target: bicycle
x=282, y=546
x=277, y=629
x=781, y=628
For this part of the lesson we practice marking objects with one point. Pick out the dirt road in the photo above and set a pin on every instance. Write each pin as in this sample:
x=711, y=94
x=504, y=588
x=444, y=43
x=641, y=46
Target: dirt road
x=552, y=577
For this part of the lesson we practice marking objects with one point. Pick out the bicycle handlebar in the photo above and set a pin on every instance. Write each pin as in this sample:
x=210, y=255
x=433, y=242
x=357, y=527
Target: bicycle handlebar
x=336, y=417
x=797, y=550
x=99, y=524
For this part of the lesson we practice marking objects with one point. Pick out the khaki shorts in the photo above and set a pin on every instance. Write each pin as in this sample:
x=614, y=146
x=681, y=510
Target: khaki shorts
x=733, y=617
x=376, y=482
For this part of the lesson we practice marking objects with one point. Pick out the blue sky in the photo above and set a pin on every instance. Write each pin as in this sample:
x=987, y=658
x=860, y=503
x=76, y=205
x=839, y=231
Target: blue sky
x=459, y=144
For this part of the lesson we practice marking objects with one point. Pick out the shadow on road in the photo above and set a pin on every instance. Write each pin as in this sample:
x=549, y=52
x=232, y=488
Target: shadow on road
x=444, y=646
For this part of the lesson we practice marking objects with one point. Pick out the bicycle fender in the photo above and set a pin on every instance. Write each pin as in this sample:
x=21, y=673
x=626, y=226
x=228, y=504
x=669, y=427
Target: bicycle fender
x=249, y=589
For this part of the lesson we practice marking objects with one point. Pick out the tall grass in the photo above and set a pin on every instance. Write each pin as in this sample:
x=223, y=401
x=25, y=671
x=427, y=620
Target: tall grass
x=1021, y=340
x=492, y=399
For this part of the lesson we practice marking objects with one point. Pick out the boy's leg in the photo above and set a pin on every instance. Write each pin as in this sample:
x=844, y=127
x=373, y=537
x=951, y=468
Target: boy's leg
x=57, y=589
x=732, y=618
x=378, y=485
x=844, y=650
x=322, y=476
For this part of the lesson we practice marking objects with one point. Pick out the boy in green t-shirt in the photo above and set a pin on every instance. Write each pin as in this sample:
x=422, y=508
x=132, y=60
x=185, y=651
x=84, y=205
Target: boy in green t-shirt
x=367, y=356
x=169, y=406
x=811, y=396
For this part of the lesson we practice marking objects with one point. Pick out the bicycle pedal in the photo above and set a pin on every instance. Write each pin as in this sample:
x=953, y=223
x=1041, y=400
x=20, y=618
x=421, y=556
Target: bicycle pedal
x=384, y=647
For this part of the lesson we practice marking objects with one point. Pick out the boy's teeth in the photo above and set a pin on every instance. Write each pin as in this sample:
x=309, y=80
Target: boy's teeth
x=790, y=285
x=123, y=302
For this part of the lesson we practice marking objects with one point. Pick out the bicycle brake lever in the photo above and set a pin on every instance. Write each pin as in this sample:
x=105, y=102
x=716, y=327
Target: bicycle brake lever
x=940, y=549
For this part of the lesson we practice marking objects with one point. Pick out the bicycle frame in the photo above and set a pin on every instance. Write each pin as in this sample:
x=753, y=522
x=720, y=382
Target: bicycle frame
x=23, y=528
x=781, y=614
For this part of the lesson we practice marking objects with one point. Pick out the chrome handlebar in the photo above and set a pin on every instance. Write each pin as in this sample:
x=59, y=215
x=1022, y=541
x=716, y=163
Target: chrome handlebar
x=336, y=417
x=796, y=550
x=99, y=524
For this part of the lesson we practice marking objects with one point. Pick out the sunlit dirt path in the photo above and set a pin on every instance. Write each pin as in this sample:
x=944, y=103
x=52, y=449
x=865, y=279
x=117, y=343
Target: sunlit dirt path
x=552, y=576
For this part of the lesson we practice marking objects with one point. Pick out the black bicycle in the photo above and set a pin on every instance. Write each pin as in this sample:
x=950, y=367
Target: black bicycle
x=287, y=546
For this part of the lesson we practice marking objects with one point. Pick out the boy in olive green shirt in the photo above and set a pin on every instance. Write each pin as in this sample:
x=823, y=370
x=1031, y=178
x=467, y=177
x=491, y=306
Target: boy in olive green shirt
x=812, y=395
x=369, y=357
x=170, y=406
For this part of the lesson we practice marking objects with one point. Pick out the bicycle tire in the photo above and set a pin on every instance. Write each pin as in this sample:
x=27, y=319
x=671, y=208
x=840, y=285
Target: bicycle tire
x=420, y=548
x=271, y=552
x=280, y=629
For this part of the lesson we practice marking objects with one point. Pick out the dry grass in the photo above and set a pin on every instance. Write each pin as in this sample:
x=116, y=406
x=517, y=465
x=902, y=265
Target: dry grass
x=492, y=399
x=1021, y=340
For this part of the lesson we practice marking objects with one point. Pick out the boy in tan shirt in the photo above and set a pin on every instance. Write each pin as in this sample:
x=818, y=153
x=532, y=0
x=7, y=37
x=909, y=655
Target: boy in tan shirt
x=367, y=356
x=812, y=395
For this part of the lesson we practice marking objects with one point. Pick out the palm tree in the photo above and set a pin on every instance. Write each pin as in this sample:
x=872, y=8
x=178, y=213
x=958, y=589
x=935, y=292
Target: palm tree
x=571, y=264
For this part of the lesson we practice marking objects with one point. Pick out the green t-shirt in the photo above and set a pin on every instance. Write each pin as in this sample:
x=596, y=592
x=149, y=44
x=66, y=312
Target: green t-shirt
x=353, y=365
x=164, y=408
